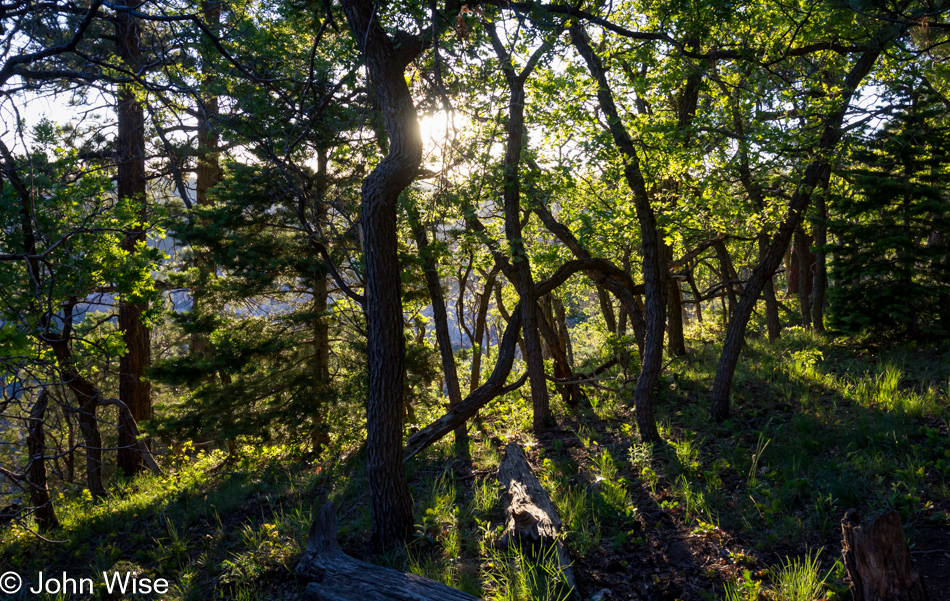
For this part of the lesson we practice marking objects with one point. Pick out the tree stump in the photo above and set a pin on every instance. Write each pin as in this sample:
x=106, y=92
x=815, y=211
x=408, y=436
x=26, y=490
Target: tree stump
x=338, y=577
x=878, y=560
x=530, y=517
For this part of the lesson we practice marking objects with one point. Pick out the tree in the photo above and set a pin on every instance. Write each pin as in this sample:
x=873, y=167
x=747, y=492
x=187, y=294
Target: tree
x=891, y=273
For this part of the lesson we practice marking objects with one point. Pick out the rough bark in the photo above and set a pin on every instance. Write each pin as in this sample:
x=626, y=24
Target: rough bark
x=441, y=319
x=335, y=576
x=814, y=174
x=654, y=266
x=530, y=516
x=43, y=511
x=878, y=560
x=134, y=390
x=386, y=346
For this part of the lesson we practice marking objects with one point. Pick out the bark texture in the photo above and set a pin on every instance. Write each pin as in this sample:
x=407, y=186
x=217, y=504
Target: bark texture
x=134, y=390
x=520, y=262
x=336, y=576
x=386, y=345
x=878, y=560
x=530, y=516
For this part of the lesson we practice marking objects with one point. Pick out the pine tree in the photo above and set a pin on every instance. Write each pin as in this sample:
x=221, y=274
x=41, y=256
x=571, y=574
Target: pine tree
x=891, y=273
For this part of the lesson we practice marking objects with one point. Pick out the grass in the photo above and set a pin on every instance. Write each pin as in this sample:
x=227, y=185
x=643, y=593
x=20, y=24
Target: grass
x=819, y=425
x=800, y=579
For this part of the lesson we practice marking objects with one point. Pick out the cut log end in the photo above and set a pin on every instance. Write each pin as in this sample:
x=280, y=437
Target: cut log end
x=878, y=560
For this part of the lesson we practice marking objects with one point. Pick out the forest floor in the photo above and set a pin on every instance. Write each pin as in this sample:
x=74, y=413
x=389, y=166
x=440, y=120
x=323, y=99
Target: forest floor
x=818, y=426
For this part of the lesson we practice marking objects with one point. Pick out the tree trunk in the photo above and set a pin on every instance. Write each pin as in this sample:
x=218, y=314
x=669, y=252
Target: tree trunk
x=820, y=285
x=772, y=322
x=530, y=517
x=386, y=345
x=727, y=274
x=43, y=510
x=520, y=262
x=336, y=576
x=878, y=560
x=563, y=334
x=694, y=291
x=607, y=310
x=654, y=266
x=140, y=444
x=569, y=392
x=813, y=176
x=134, y=390
x=87, y=401
x=611, y=277
x=208, y=173
x=440, y=316
x=320, y=437
x=493, y=387
x=480, y=316
x=804, y=258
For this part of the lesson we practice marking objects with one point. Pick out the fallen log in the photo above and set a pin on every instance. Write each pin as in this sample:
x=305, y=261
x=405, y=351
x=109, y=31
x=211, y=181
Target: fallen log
x=336, y=576
x=530, y=517
x=878, y=560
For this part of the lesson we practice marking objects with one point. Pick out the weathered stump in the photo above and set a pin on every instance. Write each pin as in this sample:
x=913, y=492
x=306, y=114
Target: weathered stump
x=530, y=517
x=338, y=577
x=878, y=560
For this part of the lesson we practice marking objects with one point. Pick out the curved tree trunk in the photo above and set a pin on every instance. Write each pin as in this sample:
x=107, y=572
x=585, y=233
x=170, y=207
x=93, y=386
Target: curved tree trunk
x=617, y=280
x=813, y=176
x=386, y=345
x=520, y=262
x=654, y=267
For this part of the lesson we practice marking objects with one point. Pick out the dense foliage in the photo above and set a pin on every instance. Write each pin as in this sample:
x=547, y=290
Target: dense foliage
x=241, y=237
